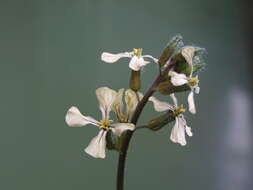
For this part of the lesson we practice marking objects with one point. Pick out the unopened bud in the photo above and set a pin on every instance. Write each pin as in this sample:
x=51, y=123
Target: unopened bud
x=173, y=46
x=181, y=66
x=166, y=88
x=159, y=122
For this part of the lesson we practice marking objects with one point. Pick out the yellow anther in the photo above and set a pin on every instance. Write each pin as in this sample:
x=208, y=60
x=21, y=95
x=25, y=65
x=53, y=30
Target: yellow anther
x=138, y=52
x=193, y=81
x=179, y=110
x=105, y=124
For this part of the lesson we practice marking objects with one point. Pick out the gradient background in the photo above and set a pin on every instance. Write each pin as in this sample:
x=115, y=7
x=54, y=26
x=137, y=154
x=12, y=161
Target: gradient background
x=50, y=59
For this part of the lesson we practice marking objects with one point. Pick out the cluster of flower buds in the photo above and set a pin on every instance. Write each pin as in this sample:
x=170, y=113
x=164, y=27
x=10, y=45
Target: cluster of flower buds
x=184, y=63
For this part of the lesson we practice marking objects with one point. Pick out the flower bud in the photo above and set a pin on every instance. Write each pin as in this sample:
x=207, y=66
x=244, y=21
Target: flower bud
x=189, y=60
x=172, y=47
x=181, y=66
x=198, y=64
x=159, y=122
x=167, y=88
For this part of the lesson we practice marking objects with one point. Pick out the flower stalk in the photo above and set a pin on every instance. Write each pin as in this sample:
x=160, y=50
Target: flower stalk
x=135, y=118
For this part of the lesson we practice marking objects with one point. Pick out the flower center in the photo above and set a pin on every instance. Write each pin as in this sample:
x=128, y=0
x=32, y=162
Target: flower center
x=138, y=52
x=179, y=110
x=193, y=81
x=105, y=124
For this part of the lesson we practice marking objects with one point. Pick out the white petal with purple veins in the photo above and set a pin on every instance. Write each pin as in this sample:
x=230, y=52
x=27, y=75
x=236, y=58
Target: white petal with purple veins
x=178, y=79
x=97, y=145
x=106, y=97
x=136, y=63
x=74, y=118
x=191, y=102
x=119, y=128
x=159, y=105
x=178, y=132
x=112, y=58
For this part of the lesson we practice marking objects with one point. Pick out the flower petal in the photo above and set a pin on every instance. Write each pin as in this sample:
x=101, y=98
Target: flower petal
x=188, y=131
x=97, y=145
x=131, y=100
x=188, y=53
x=191, y=103
x=106, y=97
x=112, y=58
x=178, y=132
x=151, y=57
x=118, y=105
x=137, y=63
x=159, y=105
x=174, y=98
x=74, y=118
x=119, y=128
x=196, y=89
x=178, y=79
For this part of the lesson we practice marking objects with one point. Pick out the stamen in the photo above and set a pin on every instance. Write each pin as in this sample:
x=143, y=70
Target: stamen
x=193, y=81
x=105, y=124
x=179, y=110
x=138, y=52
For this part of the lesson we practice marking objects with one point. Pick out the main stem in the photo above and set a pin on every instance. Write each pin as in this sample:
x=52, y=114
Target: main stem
x=136, y=115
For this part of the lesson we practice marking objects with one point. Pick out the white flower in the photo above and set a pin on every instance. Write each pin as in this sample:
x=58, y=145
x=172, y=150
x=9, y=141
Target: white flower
x=97, y=146
x=125, y=113
x=137, y=59
x=181, y=79
x=180, y=127
x=132, y=99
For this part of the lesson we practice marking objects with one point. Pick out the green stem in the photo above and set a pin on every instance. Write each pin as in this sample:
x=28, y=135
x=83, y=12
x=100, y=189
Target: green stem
x=136, y=115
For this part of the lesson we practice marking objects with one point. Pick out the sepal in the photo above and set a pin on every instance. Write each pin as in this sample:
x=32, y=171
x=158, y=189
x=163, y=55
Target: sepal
x=181, y=66
x=172, y=47
x=135, y=80
x=198, y=64
x=159, y=122
x=112, y=141
x=167, y=88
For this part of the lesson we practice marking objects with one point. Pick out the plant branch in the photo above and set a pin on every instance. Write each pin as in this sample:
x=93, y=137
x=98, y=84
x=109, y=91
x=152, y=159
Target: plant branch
x=136, y=115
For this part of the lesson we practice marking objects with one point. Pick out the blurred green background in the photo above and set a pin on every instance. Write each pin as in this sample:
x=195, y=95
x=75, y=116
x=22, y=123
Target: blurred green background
x=50, y=60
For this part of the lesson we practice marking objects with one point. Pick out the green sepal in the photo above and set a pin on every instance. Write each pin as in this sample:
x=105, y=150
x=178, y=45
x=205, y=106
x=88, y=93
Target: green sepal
x=112, y=141
x=167, y=88
x=172, y=47
x=159, y=122
x=135, y=80
x=198, y=64
x=181, y=66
